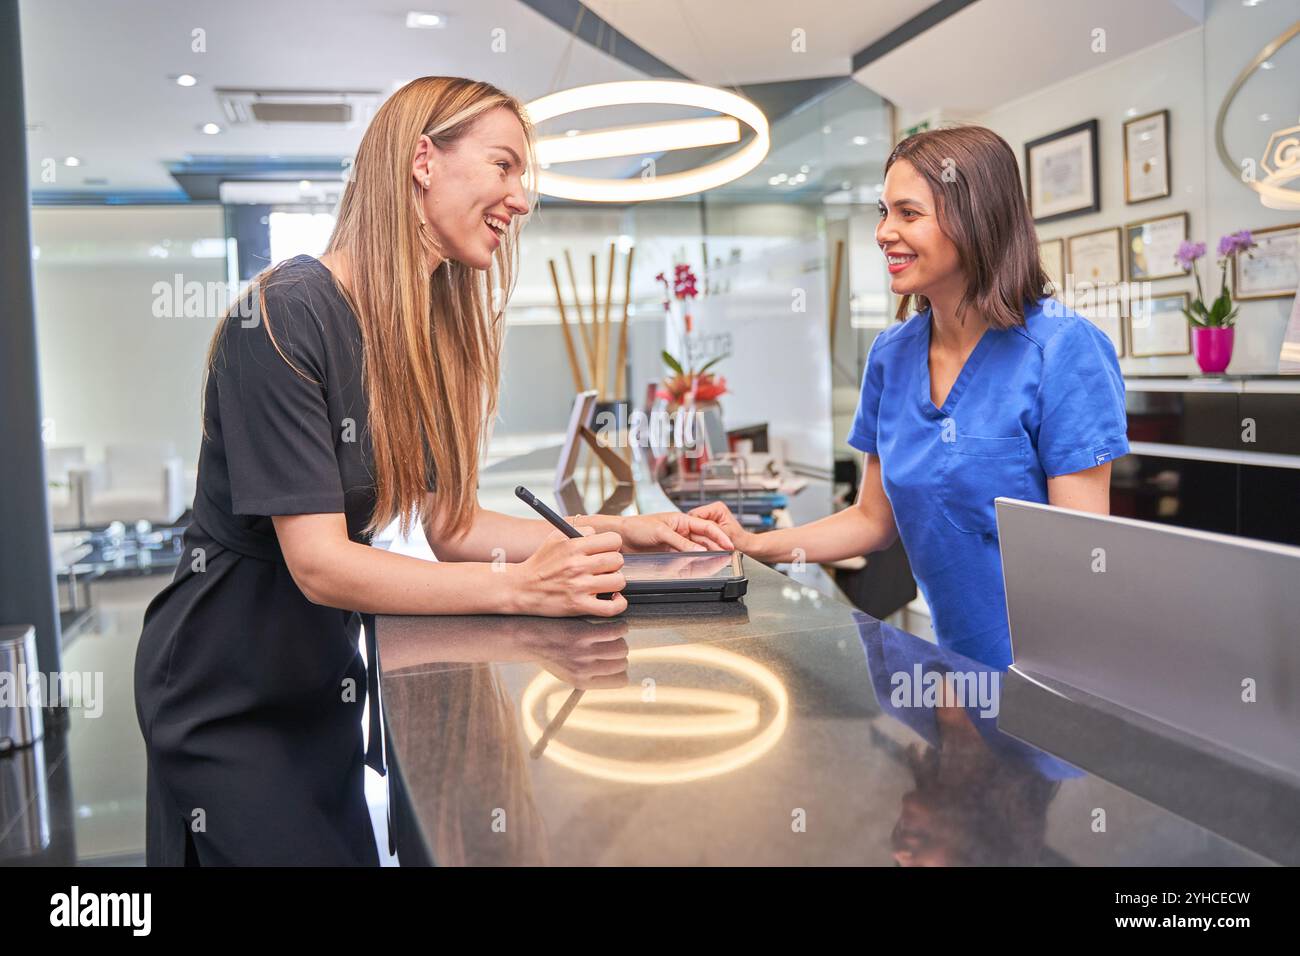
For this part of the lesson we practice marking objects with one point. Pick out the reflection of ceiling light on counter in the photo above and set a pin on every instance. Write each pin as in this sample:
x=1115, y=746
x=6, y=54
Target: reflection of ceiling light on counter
x=626, y=713
x=71, y=161
x=650, y=139
x=425, y=21
x=186, y=79
x=211, y=129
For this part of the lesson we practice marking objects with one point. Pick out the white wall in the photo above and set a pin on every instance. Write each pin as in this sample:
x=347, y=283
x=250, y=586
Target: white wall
x=1188, y=75
x=110, y=370
x=778, y=371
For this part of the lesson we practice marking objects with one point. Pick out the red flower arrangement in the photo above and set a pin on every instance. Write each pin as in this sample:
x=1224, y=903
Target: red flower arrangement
x=702, y=385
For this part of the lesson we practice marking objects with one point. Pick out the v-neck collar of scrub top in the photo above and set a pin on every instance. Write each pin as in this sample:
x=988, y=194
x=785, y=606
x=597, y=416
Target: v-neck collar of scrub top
x=959, y=385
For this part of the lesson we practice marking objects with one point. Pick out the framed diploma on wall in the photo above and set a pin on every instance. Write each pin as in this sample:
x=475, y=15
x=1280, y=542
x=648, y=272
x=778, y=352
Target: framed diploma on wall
x=1062, y=178
x=1095, y=257
x=1097, y=269
x=1157, y=326
x=1051, y=252
x=1146, y=157
x=1150, y=247
x=1272, y=268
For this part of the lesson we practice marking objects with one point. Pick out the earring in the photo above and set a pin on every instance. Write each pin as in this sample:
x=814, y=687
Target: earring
x=426, y=182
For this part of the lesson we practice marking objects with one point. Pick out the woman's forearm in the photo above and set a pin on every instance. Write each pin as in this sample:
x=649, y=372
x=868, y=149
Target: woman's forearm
x=845, y=534
x=497, y=537
x=361, y=578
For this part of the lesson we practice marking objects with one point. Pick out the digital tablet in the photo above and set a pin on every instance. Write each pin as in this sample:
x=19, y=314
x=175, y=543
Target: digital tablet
x=658, y=577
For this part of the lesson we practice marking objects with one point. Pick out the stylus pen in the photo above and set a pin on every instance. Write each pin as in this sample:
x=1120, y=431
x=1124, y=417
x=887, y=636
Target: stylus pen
x=556, y=723
x=530, y=499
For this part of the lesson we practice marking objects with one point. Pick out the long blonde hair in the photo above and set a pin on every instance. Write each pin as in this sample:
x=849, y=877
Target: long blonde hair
x=431, y=344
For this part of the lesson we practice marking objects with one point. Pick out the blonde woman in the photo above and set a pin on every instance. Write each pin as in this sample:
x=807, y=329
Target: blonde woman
x=360, y=391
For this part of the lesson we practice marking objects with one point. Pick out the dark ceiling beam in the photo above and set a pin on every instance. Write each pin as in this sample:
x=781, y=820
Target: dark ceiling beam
x=927, y=19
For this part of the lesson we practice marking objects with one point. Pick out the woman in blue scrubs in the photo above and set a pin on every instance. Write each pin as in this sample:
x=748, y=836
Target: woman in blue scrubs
x=990, y=389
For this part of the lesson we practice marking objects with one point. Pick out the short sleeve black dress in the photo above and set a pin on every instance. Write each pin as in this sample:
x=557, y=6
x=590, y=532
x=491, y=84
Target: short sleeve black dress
x=250, y=696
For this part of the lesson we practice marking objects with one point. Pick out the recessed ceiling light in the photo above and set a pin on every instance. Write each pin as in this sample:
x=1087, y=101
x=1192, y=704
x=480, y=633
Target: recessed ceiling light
x=71, y=161
x=425, y=21
x=804, y=168
x=186, y=79
x=1131, y=112
x=859, y=141
x=1265, y=117
x=212, y=129
x=826, y=129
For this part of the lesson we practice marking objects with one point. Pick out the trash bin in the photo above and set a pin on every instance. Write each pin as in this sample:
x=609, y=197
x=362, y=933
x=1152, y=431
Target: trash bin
x=21, y=724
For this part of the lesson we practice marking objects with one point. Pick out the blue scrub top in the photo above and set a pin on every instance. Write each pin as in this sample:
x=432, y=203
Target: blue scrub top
x=1032, y=402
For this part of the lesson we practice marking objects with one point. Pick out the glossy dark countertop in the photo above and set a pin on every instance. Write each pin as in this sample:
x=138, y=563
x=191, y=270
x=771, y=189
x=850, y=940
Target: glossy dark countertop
x=787, y=729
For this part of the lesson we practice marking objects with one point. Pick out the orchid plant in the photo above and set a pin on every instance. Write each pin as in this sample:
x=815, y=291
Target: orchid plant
x=701, y=384
x=1221, y=313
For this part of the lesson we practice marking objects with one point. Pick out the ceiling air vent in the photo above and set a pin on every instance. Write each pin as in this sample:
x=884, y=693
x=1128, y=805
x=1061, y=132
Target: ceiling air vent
x=263, y=107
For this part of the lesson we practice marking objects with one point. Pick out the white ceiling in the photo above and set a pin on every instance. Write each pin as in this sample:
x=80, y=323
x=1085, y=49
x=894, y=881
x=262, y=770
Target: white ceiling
x=731, y=42
x=96, y=73
x=995, y=51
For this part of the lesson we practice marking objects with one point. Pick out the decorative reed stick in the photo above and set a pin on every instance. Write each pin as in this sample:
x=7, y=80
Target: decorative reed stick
x=582, y=324
x=835, y=294
x=574, y=366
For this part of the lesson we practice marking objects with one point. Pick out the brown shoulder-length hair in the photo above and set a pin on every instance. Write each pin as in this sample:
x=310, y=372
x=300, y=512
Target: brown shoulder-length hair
x=982, y=209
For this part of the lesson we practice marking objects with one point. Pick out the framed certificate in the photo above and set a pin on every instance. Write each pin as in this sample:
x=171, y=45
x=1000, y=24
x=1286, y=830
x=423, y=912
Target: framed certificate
x=1096, y=270
x=1095, y=257
x=1157, y=326
x=1272, y=268
x=1062, y=176
x=1150, y=247
x=1146, y=157
x=1051, y=252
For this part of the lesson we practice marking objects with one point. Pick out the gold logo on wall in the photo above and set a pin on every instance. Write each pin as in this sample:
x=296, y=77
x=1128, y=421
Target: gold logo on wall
x=1280, y=165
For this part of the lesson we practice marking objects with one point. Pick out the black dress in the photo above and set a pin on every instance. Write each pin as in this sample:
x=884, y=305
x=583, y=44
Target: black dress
x=250, y=696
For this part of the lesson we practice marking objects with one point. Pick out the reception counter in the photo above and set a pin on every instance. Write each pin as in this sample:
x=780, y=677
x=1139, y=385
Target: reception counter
x=788, y=728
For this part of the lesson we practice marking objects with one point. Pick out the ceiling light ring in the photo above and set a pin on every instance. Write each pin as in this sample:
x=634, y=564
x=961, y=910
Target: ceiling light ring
x=659, y=92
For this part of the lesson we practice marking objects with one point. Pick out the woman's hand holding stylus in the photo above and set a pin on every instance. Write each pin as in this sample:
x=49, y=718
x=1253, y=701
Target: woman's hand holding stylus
x=563, y=576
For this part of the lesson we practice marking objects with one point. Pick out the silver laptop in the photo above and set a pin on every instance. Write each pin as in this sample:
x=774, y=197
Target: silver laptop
x=1163, y=621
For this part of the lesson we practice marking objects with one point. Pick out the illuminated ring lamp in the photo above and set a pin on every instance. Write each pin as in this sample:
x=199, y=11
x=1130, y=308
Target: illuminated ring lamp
x=648, y=138
x=730, y=714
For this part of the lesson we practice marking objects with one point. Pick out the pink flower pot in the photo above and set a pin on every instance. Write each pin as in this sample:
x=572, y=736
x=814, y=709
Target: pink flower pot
x=1212, y=348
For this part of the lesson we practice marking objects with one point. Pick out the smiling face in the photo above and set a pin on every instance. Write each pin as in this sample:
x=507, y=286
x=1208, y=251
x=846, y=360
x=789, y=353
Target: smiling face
x=477, y=180
x=921, y=258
